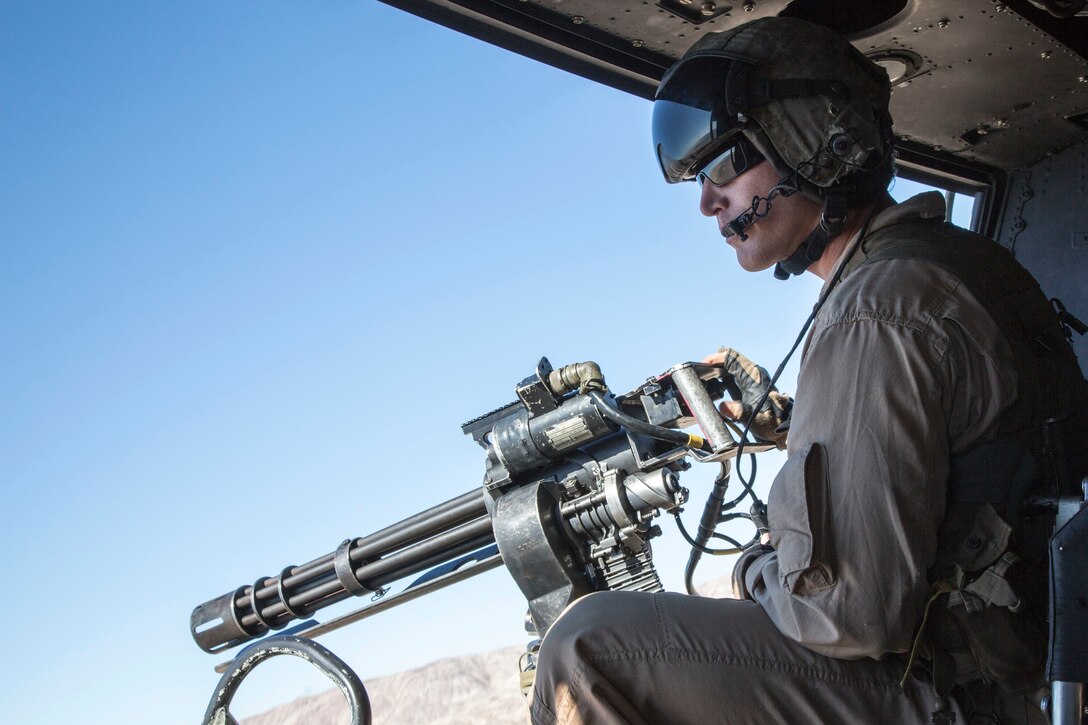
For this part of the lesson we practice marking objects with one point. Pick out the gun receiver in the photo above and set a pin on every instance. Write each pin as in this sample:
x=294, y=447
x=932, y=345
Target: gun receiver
x=574, y=478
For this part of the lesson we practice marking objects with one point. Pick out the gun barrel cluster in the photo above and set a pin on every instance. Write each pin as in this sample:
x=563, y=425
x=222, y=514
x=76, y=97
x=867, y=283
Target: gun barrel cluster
x=356, y=568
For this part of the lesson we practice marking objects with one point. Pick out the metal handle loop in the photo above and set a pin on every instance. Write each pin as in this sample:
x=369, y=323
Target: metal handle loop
x=319, y=656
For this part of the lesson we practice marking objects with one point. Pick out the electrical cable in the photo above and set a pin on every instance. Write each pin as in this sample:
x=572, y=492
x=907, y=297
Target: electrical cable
x=748, y=486
x=696, y=545
x=668, y=435
x=739, y=547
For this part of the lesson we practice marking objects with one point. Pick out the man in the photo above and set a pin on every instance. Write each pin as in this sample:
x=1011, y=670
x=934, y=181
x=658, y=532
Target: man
x=914, y=439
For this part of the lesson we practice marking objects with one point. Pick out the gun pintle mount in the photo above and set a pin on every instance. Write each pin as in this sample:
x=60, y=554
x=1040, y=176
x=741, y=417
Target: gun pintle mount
x=574, y=478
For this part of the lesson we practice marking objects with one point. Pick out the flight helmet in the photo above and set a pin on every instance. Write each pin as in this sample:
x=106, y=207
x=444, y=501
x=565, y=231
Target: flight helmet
x=792, y=92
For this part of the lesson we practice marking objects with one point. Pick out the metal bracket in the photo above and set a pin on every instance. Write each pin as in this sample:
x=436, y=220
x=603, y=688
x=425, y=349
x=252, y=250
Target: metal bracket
x=331, y=666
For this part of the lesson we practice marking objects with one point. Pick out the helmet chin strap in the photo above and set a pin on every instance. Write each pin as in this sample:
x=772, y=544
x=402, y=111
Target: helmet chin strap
x=812, y=248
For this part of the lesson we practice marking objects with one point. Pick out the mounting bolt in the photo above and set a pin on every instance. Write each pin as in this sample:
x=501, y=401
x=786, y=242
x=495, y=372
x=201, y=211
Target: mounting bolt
x=942, y=23
x=686, y=2
x=577, y=20
x=708, y=9
x=749, y=7
x=637, y=43
x=1000, y=8
x=1046, y=54
x=1001, y=122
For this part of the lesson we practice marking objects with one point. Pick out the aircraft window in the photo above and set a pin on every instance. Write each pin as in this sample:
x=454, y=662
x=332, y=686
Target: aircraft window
x=960, y=208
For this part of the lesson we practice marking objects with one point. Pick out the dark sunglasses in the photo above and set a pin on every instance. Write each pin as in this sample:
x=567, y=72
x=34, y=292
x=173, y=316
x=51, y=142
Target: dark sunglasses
x=739, y=156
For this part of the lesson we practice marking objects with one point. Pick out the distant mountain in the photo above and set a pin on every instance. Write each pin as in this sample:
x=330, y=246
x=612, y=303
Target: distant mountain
x=472, y=690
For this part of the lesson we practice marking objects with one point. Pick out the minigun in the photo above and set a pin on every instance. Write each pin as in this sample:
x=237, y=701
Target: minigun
x=574, y=479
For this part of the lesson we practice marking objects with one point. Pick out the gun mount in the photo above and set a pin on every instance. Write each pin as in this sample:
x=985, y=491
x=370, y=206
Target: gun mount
x=574, y=478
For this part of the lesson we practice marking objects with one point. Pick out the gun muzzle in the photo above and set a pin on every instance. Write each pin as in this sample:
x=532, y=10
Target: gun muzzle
x=357, y=567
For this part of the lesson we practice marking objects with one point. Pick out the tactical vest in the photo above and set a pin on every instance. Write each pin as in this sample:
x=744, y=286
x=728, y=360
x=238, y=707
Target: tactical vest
x=986, y=616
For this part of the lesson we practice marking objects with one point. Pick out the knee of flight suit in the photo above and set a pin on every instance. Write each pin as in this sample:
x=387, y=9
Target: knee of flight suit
x=599, y=622
x=575, y=625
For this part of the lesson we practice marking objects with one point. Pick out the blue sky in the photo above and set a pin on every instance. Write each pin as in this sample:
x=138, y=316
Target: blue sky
x=260, y=261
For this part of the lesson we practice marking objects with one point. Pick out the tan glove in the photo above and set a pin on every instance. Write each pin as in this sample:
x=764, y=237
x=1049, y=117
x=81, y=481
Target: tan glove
x=751, y=382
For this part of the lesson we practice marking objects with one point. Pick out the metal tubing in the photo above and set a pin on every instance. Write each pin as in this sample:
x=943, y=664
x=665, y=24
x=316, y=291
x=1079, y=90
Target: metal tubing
x=459, y=574
x=422, y=525
x=702, y=407
x=466, y=538
x=416, y=558
x=413, y=529
x=406, y=562
x=330, y=665
x=1066, y=703
x=433, y=536
x=408, y=595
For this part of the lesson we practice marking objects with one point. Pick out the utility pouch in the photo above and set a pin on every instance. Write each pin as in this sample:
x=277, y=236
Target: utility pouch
x=978, y=619
x=799, y=518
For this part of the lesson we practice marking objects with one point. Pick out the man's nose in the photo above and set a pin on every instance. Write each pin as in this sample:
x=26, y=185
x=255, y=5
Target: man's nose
x=712, y=199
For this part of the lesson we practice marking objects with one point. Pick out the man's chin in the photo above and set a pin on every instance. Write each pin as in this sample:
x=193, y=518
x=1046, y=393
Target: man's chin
x=751, y=264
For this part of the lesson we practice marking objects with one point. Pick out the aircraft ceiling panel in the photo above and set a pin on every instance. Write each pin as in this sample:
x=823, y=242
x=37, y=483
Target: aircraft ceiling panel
x=985, y=81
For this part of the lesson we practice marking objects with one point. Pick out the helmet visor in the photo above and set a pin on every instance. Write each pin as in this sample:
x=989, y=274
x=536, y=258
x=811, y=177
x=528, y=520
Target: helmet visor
x=682, y=136
x=690, y=123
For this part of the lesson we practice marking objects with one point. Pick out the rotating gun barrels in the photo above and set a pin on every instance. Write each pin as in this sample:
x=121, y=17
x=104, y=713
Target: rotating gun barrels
x=357, y=567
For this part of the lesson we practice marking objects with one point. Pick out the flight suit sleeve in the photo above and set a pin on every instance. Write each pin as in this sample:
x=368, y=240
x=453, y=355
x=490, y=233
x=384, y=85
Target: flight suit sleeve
x=854, y=513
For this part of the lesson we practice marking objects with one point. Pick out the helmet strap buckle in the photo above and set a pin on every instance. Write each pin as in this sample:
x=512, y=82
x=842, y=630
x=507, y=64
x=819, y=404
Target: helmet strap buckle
x=812, y=248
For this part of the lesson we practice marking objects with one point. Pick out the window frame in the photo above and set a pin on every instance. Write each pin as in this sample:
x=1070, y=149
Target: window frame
x=944, y=171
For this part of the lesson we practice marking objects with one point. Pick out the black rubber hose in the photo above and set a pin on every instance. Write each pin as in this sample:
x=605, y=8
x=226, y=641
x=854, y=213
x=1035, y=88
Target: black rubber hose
x=640, y=426
x=711, y=511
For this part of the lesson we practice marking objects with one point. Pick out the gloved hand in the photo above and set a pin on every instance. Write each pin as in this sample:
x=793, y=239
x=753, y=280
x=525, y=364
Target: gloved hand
x=771, y=422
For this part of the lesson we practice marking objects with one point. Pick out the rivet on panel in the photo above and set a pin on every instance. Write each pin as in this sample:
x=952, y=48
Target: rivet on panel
x=749, y=7
x=637, y=43
x=942, y=23
x=1046, y=54
x=577, y=20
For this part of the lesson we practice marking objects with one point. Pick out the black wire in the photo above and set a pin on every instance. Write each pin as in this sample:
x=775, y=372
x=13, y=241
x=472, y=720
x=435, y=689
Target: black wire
x=741, y=435
x=748, y=487
x=739, y=547
x=694, y=544
x=668, y=435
